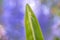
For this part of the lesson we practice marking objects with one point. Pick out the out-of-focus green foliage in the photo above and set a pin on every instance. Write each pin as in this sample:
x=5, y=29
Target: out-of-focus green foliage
x=56, y=38
x=56, y=8
x=56, y=11
x=32, y=27
x=1, y=2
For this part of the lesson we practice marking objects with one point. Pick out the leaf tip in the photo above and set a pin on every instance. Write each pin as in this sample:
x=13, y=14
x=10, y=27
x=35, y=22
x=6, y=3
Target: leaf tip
x=27, y=6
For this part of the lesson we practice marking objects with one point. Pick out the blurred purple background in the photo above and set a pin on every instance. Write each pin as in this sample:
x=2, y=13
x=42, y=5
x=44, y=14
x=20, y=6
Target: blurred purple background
x=12, y=17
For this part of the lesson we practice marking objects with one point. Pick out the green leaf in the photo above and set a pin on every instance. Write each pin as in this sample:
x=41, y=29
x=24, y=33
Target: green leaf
x=32, y=27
